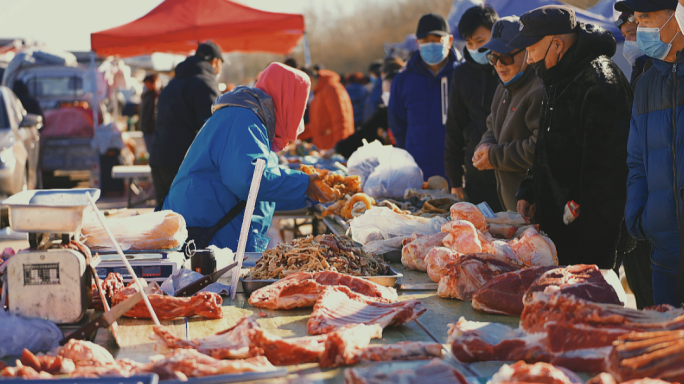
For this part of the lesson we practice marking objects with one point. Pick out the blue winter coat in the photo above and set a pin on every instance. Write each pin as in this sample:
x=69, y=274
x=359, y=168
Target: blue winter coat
x=217, y=172
x=373, y=101
x=416, y=109
x=358, y=95
x=656, y=162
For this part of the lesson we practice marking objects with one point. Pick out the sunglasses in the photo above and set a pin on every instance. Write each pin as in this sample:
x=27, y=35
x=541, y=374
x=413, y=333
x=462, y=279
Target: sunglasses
x=504, y=59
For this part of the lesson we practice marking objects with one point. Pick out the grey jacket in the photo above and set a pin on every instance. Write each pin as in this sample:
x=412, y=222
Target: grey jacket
x=512, y=130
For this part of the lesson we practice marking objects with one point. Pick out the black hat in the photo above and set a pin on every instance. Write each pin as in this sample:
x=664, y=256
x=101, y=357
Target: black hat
x=432, y=24
x=543, y=21
x=645, y=5
x=208, y=51
x=505, y=29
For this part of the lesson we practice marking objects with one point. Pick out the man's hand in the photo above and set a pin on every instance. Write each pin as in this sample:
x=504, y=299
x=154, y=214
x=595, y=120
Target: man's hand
x=526, y=209
x=458, y=192
x=481, y=157
x=313, y=192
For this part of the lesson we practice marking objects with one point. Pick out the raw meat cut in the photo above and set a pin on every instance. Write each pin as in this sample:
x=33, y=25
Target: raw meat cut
x=342, y=344
x=522, y=372
x=46, y=363
x=473, y=341
x=534, y=249
x=21, y=371
x=435, y=372
x=302, y=289
x=339, y=306
x=120, y=368
x=502, y=230
x=606, y=378
x=110, y=286
x=504, y=293
x=190, y=363
x=413, y=254
x=469, y=212
x=83, y=352
x=248, y=339
x=559, y=308
x=508, y=218
x=469, y=273
x=437, y=260
x=205, y=304
x=657, y=355
x=402, y=351
x=583, y=281
x=462, y=237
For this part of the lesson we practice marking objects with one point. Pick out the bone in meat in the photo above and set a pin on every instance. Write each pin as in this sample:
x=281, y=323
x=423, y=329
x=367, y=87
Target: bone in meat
x=657, y=355
x=434, y=372
x=504, y=293
x=469, y=273
x=302, y=289
x=205, y=304
x=342, y=344
x=192, y=363
x=339, y=306
x=582, y=281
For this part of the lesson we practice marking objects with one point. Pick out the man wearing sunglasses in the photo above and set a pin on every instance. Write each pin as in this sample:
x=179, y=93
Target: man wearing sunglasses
x=577, y=182
x=508, y=145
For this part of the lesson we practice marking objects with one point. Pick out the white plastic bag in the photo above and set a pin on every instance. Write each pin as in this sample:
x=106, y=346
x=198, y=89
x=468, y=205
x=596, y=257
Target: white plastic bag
x=365, y=159
x=396, y=172
x=17, y=333
x=380, y=223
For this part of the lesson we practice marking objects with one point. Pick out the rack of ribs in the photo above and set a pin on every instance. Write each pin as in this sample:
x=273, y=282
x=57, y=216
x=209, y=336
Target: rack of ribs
x=462, y=278
x=657, y=355
x=339, y=306
x=434, y=372
x=303, y=288
x=504, y=293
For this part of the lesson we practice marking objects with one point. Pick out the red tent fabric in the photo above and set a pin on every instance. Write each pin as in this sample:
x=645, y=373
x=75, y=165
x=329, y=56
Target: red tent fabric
x=176, y=26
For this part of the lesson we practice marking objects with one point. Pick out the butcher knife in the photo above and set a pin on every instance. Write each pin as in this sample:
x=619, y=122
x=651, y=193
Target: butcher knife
x=202, y=283
x=105, y=320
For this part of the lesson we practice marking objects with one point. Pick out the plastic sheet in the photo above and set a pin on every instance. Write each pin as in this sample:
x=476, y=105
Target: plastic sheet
x=17, y=333
x=163, y=230
x=380, y=223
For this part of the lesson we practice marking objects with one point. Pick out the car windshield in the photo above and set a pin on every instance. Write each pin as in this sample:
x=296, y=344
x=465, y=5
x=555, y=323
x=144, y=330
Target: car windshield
x=4, y=122
x=55, y=86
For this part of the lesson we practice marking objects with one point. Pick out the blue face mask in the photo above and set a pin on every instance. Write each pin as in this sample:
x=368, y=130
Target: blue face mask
x=517, y=75
x=433, y=53
x=648, y=40
x=479, y=57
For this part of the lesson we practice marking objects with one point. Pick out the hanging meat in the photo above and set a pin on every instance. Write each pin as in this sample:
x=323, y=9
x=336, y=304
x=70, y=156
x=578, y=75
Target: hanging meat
x=302, y=290
x=339, y=306
x=461, y=279
x=504, y=293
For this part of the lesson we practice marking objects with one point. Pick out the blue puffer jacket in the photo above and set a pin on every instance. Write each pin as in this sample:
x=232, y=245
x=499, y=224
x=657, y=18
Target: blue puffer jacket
x=217, y=172
x=417, y=111
x=358, y=95
x=656, y=162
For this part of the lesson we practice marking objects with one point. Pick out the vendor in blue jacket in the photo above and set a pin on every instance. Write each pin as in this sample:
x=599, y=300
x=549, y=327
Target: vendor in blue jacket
x=247, y=124
x=417, y=110
x=655, y=185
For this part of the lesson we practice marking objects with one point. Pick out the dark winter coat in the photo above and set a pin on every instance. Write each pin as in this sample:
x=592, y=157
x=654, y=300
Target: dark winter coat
x=641, y=65
x=416, y=109
x=148, y=111
x=581, y=150
x=367, y=130
x=183, y=106
x=358, y=95
x=472, y=91
x=512, y=129
x=656, y=151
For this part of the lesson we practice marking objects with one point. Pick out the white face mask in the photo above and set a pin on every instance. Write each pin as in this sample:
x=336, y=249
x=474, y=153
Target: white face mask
x=385, y=98
x=631, y=51
x=679, y=15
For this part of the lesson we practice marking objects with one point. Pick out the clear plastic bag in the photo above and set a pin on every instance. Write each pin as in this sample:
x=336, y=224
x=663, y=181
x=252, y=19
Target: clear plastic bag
x=164, y=230
x=380, y=223
x=396, y=172
x=17, y=333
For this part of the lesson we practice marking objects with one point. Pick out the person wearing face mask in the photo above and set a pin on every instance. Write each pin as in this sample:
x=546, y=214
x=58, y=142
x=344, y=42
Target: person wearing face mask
x=246, y=124
x=508, y=145
x=419, y=95
x=472, y=91
x=576, y=187
x=182, y=107
x=639, y=61
x=655, y=149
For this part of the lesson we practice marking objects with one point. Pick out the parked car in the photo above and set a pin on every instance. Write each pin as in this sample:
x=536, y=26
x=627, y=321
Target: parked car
x=19, y=145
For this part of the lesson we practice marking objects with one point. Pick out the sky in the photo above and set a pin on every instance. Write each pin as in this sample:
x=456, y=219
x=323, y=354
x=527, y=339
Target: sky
x=67, y=24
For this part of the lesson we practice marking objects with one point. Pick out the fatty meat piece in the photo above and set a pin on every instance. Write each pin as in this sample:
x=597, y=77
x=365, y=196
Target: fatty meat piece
x=191, y=363
x=461, y=279
x=414, y=253
x=47, y=363
x=462, y=237
x=582, y=281
x=534, y=249
x=437, y=260
x=303, y=288
x=85, y=353
x=434, y=372
x=339, y=306
x=469, y=212
x=522, y=372
x=342, y=344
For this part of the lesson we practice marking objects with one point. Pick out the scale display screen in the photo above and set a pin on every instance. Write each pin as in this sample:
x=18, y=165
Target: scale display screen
x=152, y=272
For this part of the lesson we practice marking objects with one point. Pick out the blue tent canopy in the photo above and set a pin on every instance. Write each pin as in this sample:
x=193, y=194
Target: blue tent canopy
x=518, y=7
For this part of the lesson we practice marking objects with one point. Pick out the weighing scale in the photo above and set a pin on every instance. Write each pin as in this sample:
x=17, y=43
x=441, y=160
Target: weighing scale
x=150, y=265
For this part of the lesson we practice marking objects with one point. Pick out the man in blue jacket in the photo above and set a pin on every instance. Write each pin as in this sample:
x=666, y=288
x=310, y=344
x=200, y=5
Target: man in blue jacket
x=418, y=103
x=656, y=146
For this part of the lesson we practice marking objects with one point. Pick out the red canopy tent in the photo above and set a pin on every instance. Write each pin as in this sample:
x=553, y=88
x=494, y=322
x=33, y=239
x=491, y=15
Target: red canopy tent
x=176, y=26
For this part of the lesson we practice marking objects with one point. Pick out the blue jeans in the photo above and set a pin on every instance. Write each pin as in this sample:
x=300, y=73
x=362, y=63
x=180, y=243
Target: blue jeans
x=664, y=287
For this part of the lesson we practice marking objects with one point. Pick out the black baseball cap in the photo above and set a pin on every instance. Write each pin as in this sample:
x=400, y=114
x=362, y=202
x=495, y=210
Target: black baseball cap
x=432, y=24
x=208, y=51
x=644, y=5
x=541, y=22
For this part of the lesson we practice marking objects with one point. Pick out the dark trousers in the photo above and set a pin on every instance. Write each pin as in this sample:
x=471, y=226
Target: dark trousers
x=479, y=192
x=149, y=139
x=635, y=256
x=664, y=287
x=162, y=177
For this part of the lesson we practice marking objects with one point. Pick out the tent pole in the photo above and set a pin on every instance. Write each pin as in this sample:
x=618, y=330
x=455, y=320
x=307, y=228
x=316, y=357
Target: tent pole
x=307, y=51
x=94, y=86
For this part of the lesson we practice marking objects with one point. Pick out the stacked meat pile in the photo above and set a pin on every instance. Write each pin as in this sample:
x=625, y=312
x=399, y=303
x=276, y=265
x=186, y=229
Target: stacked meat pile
x=568, y=331
x=316, y=254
